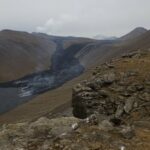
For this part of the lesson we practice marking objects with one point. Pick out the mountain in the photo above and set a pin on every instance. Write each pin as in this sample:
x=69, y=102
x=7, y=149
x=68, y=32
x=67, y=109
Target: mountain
x=22, y=53
x=72, y=58
x=134, y=33
x=30, y=53
x=114, y=87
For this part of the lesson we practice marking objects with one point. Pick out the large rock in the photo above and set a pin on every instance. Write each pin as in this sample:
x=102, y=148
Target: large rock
x=127, y=132
x=113, y=93
x=129, y=105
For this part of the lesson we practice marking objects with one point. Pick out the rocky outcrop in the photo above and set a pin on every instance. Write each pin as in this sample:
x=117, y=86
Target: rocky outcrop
x=69, y=133
x=35, y=135
x=116, y=93
x=114, y=106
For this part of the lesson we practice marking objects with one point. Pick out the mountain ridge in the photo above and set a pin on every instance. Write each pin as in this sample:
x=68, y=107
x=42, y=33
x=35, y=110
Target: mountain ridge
x=134, y=33
x=99, y=51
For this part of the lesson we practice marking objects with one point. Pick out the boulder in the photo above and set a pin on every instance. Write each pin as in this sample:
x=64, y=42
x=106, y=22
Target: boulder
x=119, y=111
x=106, y=125
x=129, y=104
x=109, y=78
x=127, y=132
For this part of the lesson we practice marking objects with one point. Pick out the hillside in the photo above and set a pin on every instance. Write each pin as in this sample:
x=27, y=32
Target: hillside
x=29, y=53
x=100, y=51
x=32, y=52
x=114, y=88
x=113, y=104
x=23, y=53
x=43, y=104
x=134, y=33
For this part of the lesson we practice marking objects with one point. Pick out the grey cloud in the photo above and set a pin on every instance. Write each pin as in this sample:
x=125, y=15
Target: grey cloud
x=57, y=25
x=75, y=17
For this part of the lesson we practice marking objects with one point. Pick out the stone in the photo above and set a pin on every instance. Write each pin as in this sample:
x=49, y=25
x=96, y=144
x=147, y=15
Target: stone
x=131, y=89
x=129, y=105
x=109, y=78
x=75, y=126
x=129, y=55
x=131, y=73
x=95, y=85
x=103, y=93
x=145, y=96
x=126, y=94
x=79, y=110
x=127, y=132
x=41, y=121
x=117, y=88
x=92, y=120
x=135, y=104
x=106, y=125
x=110, y=65
x=122, y=148
x=119, y=111
x=139, y=87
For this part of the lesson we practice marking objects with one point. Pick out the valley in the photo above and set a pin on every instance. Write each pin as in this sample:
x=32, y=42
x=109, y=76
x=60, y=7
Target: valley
x=69, y=60
x=74, y=75
x=64, y=67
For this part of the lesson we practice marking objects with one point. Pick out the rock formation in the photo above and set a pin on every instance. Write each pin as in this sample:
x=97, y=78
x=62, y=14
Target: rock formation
x=118, y=90
x=112, y=110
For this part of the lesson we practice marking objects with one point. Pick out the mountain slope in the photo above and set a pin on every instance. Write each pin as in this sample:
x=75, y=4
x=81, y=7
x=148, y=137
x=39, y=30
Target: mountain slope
x=22, y=53
x=114, y=87
x=134, y=34
x=88, y=56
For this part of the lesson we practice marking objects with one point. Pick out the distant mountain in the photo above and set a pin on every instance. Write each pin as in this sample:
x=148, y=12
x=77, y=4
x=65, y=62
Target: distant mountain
x=103, y=37
x=134, y=33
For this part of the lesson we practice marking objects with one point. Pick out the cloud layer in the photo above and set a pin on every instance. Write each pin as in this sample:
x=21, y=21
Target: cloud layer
x=75, y=17
x=57, y=25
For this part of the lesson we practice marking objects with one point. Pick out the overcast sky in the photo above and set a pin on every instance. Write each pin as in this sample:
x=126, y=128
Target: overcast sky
x=75, y=17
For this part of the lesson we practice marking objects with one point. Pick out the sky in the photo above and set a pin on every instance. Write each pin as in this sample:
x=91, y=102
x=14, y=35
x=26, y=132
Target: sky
x=86, y=18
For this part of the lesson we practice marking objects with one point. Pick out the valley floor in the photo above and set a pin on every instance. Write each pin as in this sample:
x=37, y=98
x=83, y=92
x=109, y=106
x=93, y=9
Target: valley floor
x=43, y=104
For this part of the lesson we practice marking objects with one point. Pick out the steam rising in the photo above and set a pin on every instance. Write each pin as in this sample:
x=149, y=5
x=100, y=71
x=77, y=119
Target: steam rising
x=75, y=17
x=58, y=24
